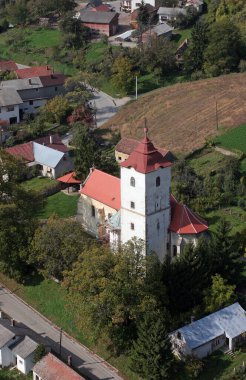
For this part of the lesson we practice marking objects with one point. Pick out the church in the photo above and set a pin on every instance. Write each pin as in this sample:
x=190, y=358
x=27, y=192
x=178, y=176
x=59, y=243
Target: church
x=139, y=204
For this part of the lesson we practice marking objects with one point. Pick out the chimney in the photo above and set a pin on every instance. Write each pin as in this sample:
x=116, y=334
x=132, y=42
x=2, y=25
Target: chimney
x=12, y=322
x=69, y=360
x=51, y=139
x=192, y=318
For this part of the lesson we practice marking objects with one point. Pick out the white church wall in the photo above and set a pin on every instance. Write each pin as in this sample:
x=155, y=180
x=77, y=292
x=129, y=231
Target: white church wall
x=186, y=238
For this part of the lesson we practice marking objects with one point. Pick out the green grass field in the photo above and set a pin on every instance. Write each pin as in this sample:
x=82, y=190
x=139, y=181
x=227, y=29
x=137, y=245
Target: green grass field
x=6, y=374
x=236, y=216
x=60, y=204
x=233, y=139
x=39, y=184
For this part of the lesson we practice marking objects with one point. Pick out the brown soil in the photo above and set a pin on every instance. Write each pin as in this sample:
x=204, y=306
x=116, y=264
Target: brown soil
x=183, y=116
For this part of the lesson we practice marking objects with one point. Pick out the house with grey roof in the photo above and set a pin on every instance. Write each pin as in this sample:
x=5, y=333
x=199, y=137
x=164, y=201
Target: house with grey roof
x=7, y=337
x=160, y=30
x=10, y=104
x=170, y=14
x=34, y=92
x=226, y=327
x=100, y=22
x=23, y=353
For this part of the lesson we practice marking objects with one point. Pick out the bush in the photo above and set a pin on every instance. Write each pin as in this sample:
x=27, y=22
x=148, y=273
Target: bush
x=194, y=367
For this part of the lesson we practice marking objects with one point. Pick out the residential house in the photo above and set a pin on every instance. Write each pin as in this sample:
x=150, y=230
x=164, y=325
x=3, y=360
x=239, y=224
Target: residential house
x=125, y=6
x=7, y=337
x=50, y=161
x=100, y=22
x=134, y=15
x=35, y=71
x=16, y=348
x=161, y=30
x=135, y=4
x=8, y=66
x=23, y=353
x=179, y=54
x=127, y=145
x=52, y=368
x=10, y=105
x=34, y=92
x=139, y=204
x=226, y=327
x=170, y=14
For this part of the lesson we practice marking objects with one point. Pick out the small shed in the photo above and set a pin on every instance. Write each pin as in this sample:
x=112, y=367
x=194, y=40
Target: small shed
x=24, y=352
x=69, y=181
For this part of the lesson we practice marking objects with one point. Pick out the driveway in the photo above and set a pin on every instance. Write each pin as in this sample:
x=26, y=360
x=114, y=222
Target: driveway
x=90, y=365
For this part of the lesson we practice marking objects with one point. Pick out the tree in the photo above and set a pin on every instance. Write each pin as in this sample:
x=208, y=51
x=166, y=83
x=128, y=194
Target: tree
x=122, y=74
x=219, y=295
x=199, y=38
x=39, y=353
x=222, y=53
x=18, y=12
x=75, y=34
x=86, y=153
x=17, y=224
x=56, y=245
x=56, y=109
x=152, y=357
x=143, y=16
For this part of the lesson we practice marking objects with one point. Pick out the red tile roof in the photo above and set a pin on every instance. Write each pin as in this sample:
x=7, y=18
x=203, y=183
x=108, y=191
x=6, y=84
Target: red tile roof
x=52, y=368
x=103, y=187
x=69, y=178
x=184, y=221
x=145, y=158
x=127, y=146
x=101, y=8
x=36, y=71
x=24, y=151
x=8, y=66
x=53, y=80
x=56, y=143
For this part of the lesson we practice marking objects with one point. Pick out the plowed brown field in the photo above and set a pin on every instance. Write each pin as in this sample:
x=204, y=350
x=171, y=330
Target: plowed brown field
x=183, y=116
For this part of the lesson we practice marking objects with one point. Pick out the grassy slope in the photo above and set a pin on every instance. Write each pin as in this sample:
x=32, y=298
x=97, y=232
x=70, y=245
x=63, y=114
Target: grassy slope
x=60, y=204
x=182, y=117
x=235, y=139
x=38, y=184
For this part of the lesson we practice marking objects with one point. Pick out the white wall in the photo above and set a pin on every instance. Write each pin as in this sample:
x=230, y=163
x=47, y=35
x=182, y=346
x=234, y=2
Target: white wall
x=151, y=215
x=6, y=357
x=6, y=115
x=25, y=365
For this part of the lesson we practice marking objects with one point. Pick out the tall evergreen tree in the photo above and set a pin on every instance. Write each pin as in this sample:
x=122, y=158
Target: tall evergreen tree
x=152, y=357
x=199, y=40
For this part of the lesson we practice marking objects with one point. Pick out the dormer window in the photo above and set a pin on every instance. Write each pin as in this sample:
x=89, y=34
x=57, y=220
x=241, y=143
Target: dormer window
x=158, y=181
x=132, y=181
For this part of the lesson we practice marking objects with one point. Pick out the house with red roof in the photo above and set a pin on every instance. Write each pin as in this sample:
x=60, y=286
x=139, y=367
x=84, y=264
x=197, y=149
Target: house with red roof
x=139, y=204
x=35, y=71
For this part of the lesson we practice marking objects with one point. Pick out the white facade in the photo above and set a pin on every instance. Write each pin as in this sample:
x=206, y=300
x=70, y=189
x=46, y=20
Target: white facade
x=10, y=113
x=25, y=365
x=145, y=208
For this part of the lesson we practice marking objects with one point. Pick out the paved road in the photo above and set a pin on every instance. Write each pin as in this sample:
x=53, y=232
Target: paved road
x=105, y=106
x=90, y=365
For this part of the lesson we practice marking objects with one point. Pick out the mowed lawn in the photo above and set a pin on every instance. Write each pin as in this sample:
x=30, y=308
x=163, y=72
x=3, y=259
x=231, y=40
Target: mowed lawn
x=13, y=375
x=39, y=184
x=60, y=204
x=234, y=139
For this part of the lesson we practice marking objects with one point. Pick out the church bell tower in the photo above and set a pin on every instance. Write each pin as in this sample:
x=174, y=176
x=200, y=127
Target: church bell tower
x=145, y=197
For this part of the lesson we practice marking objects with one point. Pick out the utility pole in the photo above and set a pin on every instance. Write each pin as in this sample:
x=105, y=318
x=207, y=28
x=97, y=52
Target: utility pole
x=60, y=346
x=136, y=87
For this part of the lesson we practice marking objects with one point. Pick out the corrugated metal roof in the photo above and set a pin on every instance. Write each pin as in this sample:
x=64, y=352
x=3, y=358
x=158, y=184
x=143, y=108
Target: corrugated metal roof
x=9, y=97
x=46, y=156
x=5, y=336
x=231, y=320
x=25, y=347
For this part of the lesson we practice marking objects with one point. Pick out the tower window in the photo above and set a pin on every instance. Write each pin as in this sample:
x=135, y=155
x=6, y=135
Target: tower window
x=132, y=181
x=93, y=211
x=132, y=204
x=174, y=250
x=132, y=226
x=158, y=225
x=158, y=181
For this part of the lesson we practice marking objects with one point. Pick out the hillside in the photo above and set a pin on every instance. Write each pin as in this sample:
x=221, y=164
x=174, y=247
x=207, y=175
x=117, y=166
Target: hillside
x=183, y=116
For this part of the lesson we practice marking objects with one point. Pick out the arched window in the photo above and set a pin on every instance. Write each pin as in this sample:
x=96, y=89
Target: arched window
x=158, y=181
x=132, y=181
x=174, y=250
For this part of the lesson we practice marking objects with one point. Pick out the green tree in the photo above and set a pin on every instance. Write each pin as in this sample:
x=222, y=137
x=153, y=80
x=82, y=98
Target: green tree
x=123, y=75
x=39, y=353
x=219, y=295
x=222, y=53
x=56, y=109
x=152, y=357
x=194, y=59
x=143, y=17
x=56, y=245
x=74, y=33
x=86, y=153
x=18, y=12
x=17, y=224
